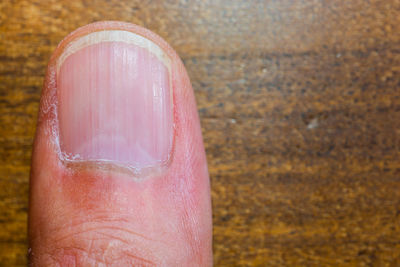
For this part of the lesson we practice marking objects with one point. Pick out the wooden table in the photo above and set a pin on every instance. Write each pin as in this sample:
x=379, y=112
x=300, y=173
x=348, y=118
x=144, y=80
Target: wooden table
x=300, y=109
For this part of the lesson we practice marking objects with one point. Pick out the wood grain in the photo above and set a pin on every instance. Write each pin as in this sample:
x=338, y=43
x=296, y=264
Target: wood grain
x=300, y=109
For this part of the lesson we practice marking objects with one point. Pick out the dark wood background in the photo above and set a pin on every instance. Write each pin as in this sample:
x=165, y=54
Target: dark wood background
x=300, y=110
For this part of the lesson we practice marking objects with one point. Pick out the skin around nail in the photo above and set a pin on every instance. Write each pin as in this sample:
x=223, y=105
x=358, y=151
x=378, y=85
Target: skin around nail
x=119, y=174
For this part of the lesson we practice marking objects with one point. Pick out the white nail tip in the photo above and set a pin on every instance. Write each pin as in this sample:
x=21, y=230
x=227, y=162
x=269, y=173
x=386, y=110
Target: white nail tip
x=113, y=36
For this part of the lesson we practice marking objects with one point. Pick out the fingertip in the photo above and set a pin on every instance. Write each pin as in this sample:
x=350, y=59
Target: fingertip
x=73, y=181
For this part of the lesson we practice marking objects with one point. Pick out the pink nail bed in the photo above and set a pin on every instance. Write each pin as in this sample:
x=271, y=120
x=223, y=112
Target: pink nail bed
x=114, y=95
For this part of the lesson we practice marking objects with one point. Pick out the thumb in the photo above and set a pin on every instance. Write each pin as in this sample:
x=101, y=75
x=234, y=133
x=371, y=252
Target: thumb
x=119, y=174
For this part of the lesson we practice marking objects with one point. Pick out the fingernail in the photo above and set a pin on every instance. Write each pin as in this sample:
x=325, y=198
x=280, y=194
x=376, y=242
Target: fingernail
x=114, y=96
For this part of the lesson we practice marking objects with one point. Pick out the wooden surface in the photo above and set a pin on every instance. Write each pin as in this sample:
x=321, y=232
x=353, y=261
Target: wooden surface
x=300, y=109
